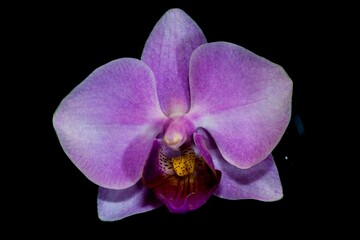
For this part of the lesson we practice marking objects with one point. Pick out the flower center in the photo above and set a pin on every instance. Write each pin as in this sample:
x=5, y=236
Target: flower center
x=182, y=179
x=178, y=132
x=184, y=164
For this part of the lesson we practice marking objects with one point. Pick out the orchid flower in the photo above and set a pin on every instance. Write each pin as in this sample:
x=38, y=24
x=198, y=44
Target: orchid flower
x=189, y=120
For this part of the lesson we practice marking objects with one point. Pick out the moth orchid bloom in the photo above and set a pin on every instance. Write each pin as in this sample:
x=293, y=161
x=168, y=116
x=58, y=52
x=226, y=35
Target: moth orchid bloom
x=189, y=120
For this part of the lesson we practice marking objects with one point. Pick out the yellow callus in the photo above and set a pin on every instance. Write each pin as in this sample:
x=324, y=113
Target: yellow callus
x=184, y=164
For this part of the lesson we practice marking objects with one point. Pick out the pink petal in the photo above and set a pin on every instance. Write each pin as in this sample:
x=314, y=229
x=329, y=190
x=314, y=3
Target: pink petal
x=167, y=52
x=107, y=124
x=241, y=99
x=261, y=182
x=115, y=205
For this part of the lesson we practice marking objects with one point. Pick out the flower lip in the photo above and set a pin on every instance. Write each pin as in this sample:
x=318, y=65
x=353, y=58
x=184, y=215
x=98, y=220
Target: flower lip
x=183, y=180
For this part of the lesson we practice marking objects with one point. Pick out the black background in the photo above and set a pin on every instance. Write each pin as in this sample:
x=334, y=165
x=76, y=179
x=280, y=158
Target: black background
x=57, y=46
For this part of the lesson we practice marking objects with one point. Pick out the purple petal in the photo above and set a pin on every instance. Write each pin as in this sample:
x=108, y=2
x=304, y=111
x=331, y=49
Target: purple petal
x=167, y=52
x=107, y=124
x=201, y=146
x=118, y=204
x=261, y=182
x=241, y=99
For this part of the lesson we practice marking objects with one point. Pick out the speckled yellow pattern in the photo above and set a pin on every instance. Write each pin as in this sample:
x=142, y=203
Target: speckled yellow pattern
x=184, y=164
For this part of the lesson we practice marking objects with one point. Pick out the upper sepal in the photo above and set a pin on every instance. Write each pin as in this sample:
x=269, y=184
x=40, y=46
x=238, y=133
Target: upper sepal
x=167, y=51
